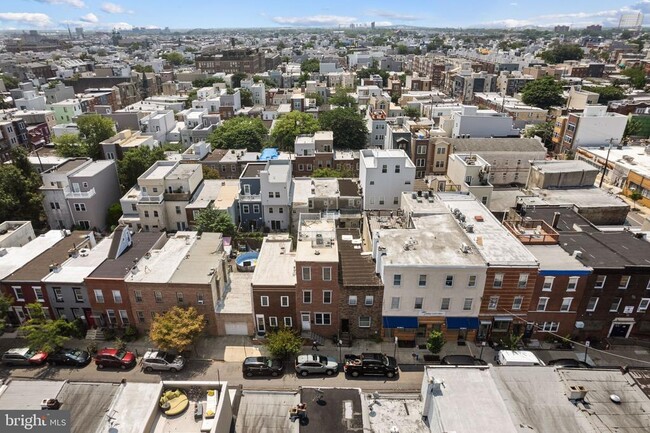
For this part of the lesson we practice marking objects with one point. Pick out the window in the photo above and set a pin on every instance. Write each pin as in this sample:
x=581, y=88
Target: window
x=352, y=300
x=284, y=301
x=38, y=293
x=615, y=304
x=157, y=294
x=541, y=304
x=245, y=209
x=643, y=305
x=58, y=295
x=270, y=194
x=397, y=168
x=600, y=282
x=472, y=281
x=498, y=281
x=548, y=284
x=80, y=207
x=138, y=295
x=124, y=317
x=566, y=304
x=384, y=168
x=273, y=322
x=140, y=315
x=394, y=303
x=179, y=297
x=117, y=296
x=364, y=322
x=516, y=302
x=422, y=149
x=323, y=318
x=78, y=296
x=591, y=305
x=84, y=224
x=449, y=281
x=467, y=304
x=277, y=194
x=550, y=326
x=306, y=296
x=397, y=280
x=494, y=301
x=155, y=214
x=370, y=300
x=199, y=298
x=146, y=214
x=280, y=210
x=422, y=281
x=288, y=322
x=445, y=303
x=327, y=296
x=418, y=303
x=306, y=273
x=270, y=210
x=441, y=151
x=327, y=274
x=395, y=200
x=111, y=316
x=573, y=283
x=523, y=281
x=625, y=280
x=99, y=296
x=264, y=301
x=178, y=210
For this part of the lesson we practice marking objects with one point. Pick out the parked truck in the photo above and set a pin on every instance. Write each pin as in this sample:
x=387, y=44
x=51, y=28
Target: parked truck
x=371, y=364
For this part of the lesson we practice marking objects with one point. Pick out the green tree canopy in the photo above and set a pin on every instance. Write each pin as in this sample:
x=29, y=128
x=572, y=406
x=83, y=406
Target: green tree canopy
x=543, y=131
x=607, y=93
x=215, y=221
x=435, y=341
x=70, y=146
x=236, y=79
x=342, y=98
x=246, y=97
x=20, y=198
x=289, y=126
x=135, y=162
x=94, y=129
x=317, y=97
x=174, y=58
x=5, y=304
x=210, y=173
x=113, y=215
x=43, y=334
x=412, y=112
x=207, y=82
x=239, y=132
x=10, y=81
x=177, y=329
x=349, y=127
x=637, y=77
x=310, y=65
x=544, y=93
x=560, y=53
x=283, y=343
x=331, y=172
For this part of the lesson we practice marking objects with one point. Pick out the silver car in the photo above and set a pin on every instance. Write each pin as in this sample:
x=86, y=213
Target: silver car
x=162, y=361
x=316, y=364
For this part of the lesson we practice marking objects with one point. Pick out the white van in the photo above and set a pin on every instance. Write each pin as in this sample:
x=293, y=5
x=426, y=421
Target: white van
x=517, y=357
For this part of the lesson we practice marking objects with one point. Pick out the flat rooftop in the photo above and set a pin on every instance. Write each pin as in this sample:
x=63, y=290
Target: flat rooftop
x=276, y=265
x=267, y=412
x=569, y=220
x=278, y=173
x=239, y=300
x=326, y=187
x=88, y=403
x=204, y=255
x=18, y=257
x=478, y=145
x=396, y=410
x=580, y=197
x=70, y=165
x=219, y=193
x=559, y=166
x=253, y=170
x=633, y=158
x=301, y=191
x=118, y=267
x=135, y=403
x=183, y=171
x=158, y=171
x=553, y=257
x=75, y=269
x=27, y=394
x=95, y=167
x=160, y=264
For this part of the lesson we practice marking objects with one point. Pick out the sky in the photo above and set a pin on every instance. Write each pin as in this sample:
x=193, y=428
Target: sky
x=188, y=14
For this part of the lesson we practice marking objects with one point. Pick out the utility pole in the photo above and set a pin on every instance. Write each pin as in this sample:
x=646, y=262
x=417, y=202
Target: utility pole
x=602, y=176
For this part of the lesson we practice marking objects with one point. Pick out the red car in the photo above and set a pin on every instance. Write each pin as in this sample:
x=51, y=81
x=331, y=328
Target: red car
x=114, y=358
x=23, y=356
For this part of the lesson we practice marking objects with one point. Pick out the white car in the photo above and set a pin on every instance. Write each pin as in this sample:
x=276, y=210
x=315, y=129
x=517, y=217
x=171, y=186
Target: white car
x=162, y=361
x=316, y=364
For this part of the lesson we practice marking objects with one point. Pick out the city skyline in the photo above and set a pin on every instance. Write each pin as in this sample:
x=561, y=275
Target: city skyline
x=103, y=15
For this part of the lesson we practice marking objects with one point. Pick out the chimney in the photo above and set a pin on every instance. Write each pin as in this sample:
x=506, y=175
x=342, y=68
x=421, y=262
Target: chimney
x=556, y=220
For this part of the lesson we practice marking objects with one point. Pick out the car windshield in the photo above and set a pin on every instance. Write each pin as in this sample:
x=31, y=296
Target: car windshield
x=120, y=354
x=321, y=359
x=30, y=353
x=169, y=357
x=78, y=354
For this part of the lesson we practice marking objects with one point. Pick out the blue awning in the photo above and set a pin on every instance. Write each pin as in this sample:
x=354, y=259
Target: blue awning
x=462, y=322
x=400, y=322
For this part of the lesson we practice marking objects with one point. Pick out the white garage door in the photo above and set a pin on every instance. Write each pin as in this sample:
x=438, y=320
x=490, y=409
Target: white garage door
x=236, y=328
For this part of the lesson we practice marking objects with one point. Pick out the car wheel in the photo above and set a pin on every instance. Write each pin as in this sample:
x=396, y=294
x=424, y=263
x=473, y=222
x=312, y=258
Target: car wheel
x=274, y=374
x=100, y=366
x=123, y=367
x=390, y=374
x=329, y=372
x=148, y=369
x=173, y=370
x=355, y=374
x=304, y=373
x=249, y=374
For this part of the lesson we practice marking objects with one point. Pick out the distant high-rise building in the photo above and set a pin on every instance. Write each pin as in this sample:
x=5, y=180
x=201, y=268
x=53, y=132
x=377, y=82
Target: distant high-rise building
x=631, y=21
x=372, y=25
x=594, y=28
x=352, y=25
x=561, y=29
x=80, y=32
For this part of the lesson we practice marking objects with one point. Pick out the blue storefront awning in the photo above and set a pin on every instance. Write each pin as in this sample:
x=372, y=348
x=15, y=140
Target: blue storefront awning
x=400, y=322
x=462, y=322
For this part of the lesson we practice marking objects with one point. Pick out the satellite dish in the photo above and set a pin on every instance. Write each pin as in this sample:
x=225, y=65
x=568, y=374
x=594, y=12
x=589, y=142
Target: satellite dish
x=615, y=398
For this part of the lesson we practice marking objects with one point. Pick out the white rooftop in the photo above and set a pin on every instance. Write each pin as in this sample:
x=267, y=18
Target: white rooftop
x=239, y=300
x=633, y=158
x=135, y=403
x=276, y=264
x=301, y=191
x=17, y=257
x=554, y=257
x=220, y=193
x=75, y=269
x=162, y=263
x=27, y=394
x=93, y=168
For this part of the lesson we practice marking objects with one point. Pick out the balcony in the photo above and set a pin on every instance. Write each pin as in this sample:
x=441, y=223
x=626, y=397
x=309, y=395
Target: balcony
x=250, y=197
x=79, y=195
x=533, y=232
x=150, y=199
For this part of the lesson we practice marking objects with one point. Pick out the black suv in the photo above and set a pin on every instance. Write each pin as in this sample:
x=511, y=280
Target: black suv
x=262, y=366
x=461, y=360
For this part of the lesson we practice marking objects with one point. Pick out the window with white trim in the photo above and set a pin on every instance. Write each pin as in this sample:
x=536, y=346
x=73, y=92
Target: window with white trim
x=498, y=281
x=394, y=303
x=492, y=304
x=18, y=291
x=322, y=318
x=364, y=321
x=449, y=281
x=327, y=296
x=264, y=301
x=566, y=304
x=99, y=296
x=616, y=303
x=397, y=280
x=58, y=294
x=467, y=304
x=352, y=300
x=157, y=294
x=117, y=296
x=591, y=305
x=549, y=326
x=517, y=302
x=471, y=281
x=80, y=207
x=306, y=296
x=643, y=305
x=541, y=304
x=273, y=321
x=306, y=273
x=327, y=273
x=422, y=280
x=445, y=304
x=523, y=281
x=572, y=284
x=600, y=281
x=284, y=301
x=78, y=295
x=418, y=303
x=288, y=322
x=38, y=293
x=370, y=300
x=625, y=281
x=548, y=284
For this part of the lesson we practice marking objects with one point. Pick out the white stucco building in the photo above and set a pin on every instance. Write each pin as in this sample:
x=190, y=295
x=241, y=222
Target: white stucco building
x=384, y=175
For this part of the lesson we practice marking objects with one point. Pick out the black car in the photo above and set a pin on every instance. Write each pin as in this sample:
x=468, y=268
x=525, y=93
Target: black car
x=461, y=360
x=568, y=363
x=262, y=366
x=75, y=357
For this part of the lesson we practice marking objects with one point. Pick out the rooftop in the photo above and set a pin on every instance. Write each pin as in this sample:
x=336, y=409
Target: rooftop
x=253, y=170
x=554, y=258
x=370, y=156
x=70, y=165
x=494, y=145
x=316, y=239
x=88, y=403
x=607, y=250
x=357, y=268
x=580, y=197
x=216, y=192
x=268, y=412
x=160, y=264
x=17, y=257
x=634, y=158
x=118, y=267
x=75, y=269
x=27, y=394
x=348, y=188
x=135, y=403
x=183, y=171
x=279, y=171
x=560, y=166
x=396, y=410
x=276, y=263
x=198, y=265
x=239, y=299
x=159, y=170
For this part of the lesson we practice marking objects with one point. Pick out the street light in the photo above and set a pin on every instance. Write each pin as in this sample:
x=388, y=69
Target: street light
x=602, y=176
x=340, y=344
x=587, y=344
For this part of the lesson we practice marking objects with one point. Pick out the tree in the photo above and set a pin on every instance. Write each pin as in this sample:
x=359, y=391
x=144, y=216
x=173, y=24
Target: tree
x=317, y=97
x=607, y=93
x=637, y=77
x=412, y=112
x=70, y=146
x=633, y=127
x=511, y=342
x=140, y=68
x=135, y=162
x=239, y=132
x=20, y=197
x=544, y=93
x=44, y=334
x=349, y=128
x=207, y=82
x=236, y=79
x=212, y=220
x=326, y=172
x=10, y=82
x=113, y=215
x=5, y=304
x=246, y=97
x=94, y=129
x=210, y=173
x=435, y=341
x=561, y=52
x=283, y=343
x=342, y=98
x=402, y=49
x=177, y=329
x=543, y=131
x=289, y=126
x=310, y=65
x=635, y=196
x=174, y=58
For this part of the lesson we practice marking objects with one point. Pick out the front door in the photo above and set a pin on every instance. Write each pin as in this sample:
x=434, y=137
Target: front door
x=620, y=330
x=345, y=325
x=261, y=326
x=305, y=320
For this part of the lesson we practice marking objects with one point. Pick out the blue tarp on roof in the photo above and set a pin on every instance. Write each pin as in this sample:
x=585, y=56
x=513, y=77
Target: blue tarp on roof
x=462, y=322
x=400, y=322
x=269, y=153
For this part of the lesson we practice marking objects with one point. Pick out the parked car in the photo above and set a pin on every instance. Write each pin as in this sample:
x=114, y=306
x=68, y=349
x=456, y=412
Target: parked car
x=75, y=357
x=316, y=364
x=114, y=358
x=461, y=360
x=568, y=363
x=517, y=358
x=23, y=356
x=162, y=361
x=262, y=366
x=371, y=364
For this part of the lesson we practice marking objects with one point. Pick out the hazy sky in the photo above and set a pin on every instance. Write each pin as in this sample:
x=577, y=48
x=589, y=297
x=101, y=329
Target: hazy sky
x=51, y=14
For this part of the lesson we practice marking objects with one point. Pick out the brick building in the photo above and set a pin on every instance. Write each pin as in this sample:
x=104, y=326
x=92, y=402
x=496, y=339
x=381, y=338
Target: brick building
x=245, y=60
